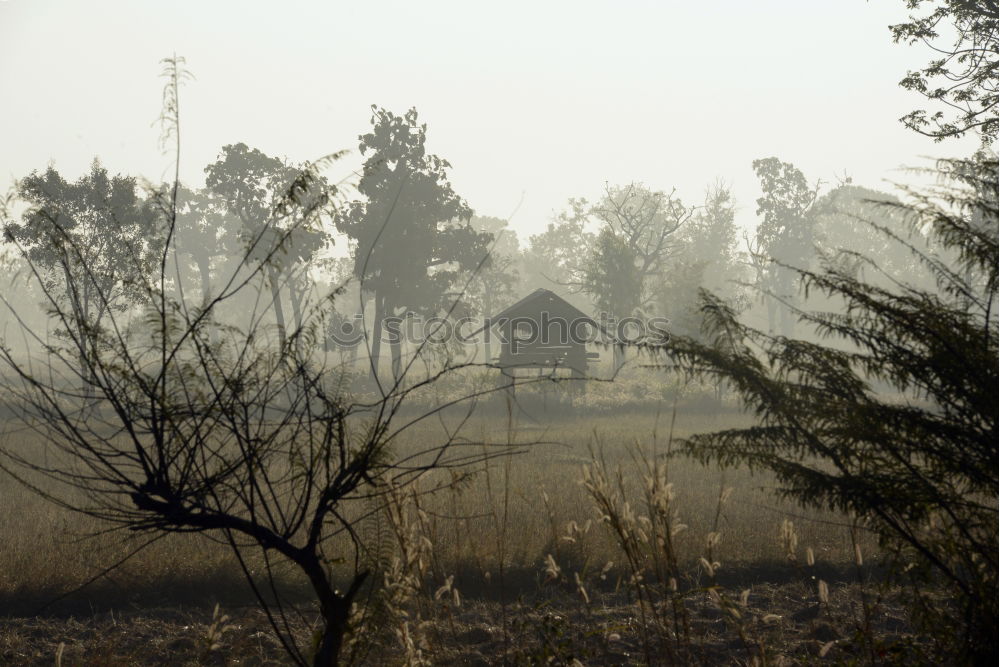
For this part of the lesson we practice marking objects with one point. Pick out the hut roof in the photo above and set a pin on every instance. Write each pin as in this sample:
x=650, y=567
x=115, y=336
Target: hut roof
x=542, y=300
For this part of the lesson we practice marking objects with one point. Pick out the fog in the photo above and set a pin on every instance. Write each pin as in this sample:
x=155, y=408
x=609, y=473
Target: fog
x=540, y=102
x=647, y=333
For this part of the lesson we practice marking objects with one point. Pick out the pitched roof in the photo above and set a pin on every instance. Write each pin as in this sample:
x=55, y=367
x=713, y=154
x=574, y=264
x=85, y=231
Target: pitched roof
x=541, y=299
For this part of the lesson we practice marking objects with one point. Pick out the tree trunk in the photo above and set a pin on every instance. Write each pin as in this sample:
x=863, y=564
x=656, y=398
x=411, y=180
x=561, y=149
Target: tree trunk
x=787, y=321
x=335, y=610
x=332, y=640
x=396, y=348
x=295, y=296
x=376, y=341
x=206, y=278
x=617, y=357
x=279, y=312
x=487, y=313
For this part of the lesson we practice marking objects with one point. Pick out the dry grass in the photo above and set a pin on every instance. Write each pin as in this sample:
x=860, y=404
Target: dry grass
x=492, y=533
x=543, y=493
x=49, y=547
x=557, y=626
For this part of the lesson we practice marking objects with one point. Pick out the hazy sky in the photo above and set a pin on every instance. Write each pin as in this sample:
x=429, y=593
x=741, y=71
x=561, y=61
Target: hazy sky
x=548, y=99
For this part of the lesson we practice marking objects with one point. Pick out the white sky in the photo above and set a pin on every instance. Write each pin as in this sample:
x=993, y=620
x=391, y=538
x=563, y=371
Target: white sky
x=549, y=99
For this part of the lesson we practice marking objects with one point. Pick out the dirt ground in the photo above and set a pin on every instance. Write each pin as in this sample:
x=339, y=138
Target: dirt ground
x=784, y=624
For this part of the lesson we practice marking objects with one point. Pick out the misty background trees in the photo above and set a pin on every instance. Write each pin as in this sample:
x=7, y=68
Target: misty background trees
x=635, y=251
x=892, y=415
x=250, y=186
x=410, y=234
x=173, y=343
x=92, y=244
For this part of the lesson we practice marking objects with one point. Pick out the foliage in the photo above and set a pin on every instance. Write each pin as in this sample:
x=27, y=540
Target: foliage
x=919, y=463
x=96, y=235
x=202, y=227
x=411, y=232
x=679, y=291
x=555, y=254
x=963, y=75
x=843, y=229
x=253, y=187
x=613, y=277
x=619, y=266
x=495, y=282
x=706, y=257
x=645, y=222
x=710, y=234
x=784, y=232
x=412, y=226
x=784, y=237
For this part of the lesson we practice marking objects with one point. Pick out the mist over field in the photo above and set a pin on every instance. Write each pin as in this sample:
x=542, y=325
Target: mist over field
x=437, y=333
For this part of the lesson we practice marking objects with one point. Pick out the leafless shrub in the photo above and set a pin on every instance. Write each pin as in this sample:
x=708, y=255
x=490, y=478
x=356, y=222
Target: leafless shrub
x=163, y=420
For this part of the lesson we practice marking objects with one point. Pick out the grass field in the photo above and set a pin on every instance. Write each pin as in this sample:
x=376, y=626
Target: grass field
x=494, y=537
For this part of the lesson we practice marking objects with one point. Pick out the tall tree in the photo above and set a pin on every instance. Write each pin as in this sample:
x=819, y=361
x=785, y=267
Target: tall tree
x=962, y=77
x=645, y=224
x=557, y=256
x=614, y=275
x=678, y=294
x=711, y=235
x=614, y=278
x=253, y=186
x=918, y=463
x=203, y=225
x=495, y=283
x=96, y=240
x=706, y=257
x=619, y=266
x=411, y=232
x=846, y=225
x=645, y=221
x=784, y=234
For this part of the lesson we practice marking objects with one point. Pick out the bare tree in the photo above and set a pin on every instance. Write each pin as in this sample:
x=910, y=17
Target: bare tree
x=240, y=433
x=645, y=221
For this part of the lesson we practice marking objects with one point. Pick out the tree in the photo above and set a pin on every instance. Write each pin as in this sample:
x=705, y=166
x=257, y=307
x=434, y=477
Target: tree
x=613, y=277
x=411, y=231
x=784, y=235
x=249, y=442
x=620, y=265
x=555, y=254
x=710, y=234
x=918, y=463
x=494, y=283
x=252, y=186
x=17, y=292
x=963, y=76
x=345, y=328
x=204, y=228
x=706, y=257
x=645, y=222
x=843, y=229
x=93, y=242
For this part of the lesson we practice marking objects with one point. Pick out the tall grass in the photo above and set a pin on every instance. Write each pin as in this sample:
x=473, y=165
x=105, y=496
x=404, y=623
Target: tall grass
x=593, y=511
